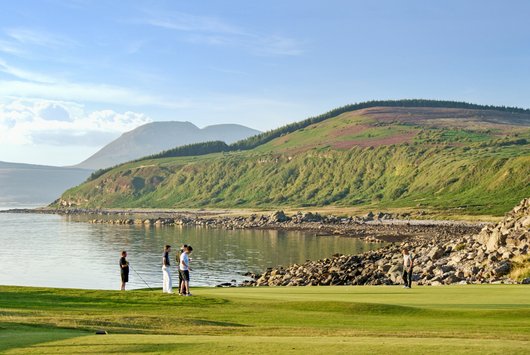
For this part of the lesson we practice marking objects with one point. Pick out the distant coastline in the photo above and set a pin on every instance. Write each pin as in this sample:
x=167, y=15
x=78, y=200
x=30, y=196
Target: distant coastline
x=24, y=207
x=372, y=227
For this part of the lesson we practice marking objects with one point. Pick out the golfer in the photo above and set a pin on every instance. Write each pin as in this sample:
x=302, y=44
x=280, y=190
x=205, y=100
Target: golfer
x=184, y=270
x=166, y=273
x=124, y=269
x=407, y=268
x=184, y=246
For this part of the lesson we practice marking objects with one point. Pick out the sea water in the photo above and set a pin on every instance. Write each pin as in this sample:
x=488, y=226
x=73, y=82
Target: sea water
x=56, y=251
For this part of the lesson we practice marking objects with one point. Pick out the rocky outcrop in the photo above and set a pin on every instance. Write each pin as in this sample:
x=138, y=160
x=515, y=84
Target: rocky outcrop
x=444, y=259
x=511, y=234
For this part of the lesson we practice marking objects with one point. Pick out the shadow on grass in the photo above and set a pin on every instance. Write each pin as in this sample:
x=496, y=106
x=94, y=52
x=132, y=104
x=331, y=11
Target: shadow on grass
x=62, y=299
x=359, y=308
x=215, y=323
x=111, y=348
x=16, y=335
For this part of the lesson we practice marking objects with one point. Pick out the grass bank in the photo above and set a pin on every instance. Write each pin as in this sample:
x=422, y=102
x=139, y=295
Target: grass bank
x=457, y=319
x=448, y=180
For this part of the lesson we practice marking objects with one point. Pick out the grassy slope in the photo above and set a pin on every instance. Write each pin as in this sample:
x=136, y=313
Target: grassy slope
x=460, y=319
x=343, y=161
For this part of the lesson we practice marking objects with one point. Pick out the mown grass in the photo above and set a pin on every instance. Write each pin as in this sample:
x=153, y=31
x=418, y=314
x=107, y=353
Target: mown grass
x=459, y=319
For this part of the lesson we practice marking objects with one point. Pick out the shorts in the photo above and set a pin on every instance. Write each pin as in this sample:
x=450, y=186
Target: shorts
x=184, y=275
x=124, y=276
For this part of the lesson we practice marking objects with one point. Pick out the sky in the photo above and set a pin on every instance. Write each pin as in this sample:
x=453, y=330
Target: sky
x=76, y=74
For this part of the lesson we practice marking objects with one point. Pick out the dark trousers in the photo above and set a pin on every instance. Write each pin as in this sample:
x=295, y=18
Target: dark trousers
x=407, y=277
x=180, y=281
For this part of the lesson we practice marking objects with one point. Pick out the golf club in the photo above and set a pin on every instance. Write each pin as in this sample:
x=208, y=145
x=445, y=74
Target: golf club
x=141, y=278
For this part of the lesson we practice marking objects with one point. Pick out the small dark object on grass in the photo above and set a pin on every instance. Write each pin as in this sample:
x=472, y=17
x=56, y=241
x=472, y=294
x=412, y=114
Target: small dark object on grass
x=101, y=332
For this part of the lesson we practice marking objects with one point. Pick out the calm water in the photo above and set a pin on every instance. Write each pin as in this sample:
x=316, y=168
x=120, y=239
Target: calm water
x=51, y=250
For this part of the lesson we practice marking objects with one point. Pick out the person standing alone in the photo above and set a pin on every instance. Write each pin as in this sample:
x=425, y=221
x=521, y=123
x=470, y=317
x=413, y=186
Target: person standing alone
x=407, y=268
x=166, y=273
x=124, y=269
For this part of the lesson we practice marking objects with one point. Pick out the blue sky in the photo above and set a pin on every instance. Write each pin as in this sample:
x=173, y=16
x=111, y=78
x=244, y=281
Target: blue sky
x=76, y=74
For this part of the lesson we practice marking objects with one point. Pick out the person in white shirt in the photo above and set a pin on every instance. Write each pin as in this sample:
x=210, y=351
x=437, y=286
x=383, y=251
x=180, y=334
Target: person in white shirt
x=184, y=269
x=166, y=273
x=184, y=246
x=407, y=268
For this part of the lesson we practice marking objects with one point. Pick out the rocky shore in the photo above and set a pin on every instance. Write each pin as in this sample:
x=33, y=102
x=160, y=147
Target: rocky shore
x=372, y=227
x=489, y=256
x=445, y=252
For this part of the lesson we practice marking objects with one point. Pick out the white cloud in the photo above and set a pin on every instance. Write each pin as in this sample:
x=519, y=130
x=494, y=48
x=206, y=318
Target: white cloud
x=39, y=38
x=186, y=22
x=135, y=46
x=24, y=74
x=34, y=84
x=86, y=92
x=216, y=32
x=276, y=45
x=10, y=48
x=29, y=121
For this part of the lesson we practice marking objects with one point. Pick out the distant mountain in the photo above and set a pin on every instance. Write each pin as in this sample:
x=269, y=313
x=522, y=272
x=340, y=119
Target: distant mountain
x=26, y=185
x=155, y=137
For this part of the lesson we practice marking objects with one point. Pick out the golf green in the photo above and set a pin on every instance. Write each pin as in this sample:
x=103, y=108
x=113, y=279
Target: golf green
x=380, y=319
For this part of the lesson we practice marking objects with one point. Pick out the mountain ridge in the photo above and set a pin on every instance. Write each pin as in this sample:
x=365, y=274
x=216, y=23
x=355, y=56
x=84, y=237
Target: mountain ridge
x=159, y=136
x=471, y=160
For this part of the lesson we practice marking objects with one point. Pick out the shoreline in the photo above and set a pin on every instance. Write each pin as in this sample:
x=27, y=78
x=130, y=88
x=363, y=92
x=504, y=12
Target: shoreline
x=361, y=211
x=446, y=252
x=371, y=227
x=497, y=254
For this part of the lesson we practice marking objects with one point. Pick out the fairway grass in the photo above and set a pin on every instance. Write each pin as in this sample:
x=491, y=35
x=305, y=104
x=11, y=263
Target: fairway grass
x=342, y=319
x=204, y=344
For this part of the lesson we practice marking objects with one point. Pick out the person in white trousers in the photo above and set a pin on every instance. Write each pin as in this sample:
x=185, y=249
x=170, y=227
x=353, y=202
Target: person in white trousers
x=166, y=273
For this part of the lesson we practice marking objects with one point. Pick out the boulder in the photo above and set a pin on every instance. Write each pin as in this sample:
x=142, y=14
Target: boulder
x=278, y=217
x=436, y=252
x=310, y=217
x=495, y=241
x=450, y=277
x=502, y=269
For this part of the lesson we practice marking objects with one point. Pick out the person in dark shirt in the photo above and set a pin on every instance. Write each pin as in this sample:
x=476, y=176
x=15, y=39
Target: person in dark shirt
x=124, y=269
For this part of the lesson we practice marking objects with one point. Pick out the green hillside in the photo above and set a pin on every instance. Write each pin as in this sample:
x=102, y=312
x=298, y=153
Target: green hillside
x=444, y=158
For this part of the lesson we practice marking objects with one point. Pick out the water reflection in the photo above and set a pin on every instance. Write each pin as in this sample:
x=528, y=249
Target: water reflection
x=49, y=250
